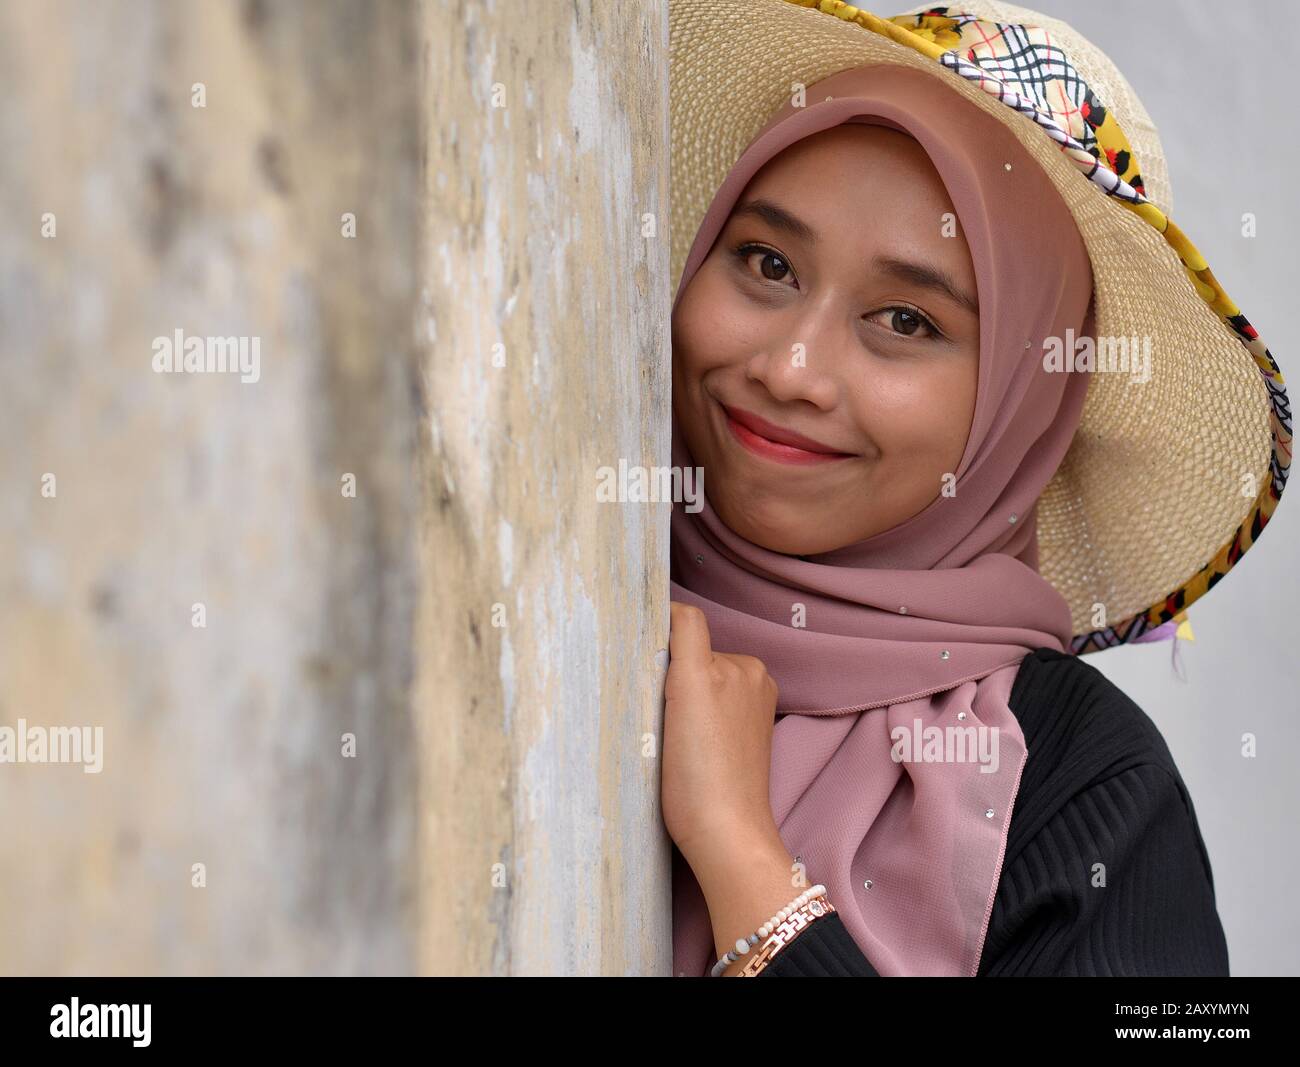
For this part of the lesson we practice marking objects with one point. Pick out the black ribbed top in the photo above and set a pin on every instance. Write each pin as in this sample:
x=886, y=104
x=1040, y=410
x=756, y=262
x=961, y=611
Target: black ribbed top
x=1099, y=786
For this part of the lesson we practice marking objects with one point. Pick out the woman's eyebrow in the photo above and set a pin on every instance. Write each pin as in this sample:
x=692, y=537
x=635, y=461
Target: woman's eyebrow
x=926, y=277
x=922, y=275
x=778, y=218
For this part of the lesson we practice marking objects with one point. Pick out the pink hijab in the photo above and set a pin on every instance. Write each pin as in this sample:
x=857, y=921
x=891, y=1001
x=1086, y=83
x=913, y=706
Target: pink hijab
x=924, y=624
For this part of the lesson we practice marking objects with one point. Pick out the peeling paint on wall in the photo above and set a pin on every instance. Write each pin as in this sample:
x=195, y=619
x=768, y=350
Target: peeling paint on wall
x=544, y=229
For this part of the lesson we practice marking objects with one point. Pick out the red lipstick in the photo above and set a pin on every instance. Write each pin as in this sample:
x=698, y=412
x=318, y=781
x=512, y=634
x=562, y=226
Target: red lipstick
x=766, y=439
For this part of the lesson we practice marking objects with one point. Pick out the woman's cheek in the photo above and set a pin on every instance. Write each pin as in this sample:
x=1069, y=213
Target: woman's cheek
x=916, y=418
x=949, y=416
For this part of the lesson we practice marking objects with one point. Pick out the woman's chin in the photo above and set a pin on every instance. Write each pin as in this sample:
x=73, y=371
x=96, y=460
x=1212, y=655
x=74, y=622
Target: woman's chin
x=786, y=533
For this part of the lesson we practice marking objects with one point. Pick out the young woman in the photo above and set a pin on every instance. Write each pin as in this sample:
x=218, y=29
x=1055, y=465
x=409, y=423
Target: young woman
x=882, y=754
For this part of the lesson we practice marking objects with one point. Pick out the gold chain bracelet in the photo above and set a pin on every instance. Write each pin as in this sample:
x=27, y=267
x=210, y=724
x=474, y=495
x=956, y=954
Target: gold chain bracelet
x=786, y=931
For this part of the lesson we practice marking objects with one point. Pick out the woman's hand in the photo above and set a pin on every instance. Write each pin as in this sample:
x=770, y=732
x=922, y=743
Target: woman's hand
x=718, y=718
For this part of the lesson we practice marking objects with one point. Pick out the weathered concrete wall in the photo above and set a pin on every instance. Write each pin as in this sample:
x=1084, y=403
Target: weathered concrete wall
x=231, y=578
x=547, y=308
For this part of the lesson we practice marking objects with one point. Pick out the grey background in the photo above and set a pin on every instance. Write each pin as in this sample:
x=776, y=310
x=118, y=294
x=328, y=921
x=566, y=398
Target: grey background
x=1215, y=79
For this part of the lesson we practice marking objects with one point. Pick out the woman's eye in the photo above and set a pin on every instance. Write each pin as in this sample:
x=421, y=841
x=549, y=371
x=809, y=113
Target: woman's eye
x=906, y=322
x=773, y=266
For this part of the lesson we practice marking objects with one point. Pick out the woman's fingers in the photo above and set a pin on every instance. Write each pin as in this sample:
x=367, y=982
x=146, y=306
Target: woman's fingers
x=688, y=637
x=717, y=748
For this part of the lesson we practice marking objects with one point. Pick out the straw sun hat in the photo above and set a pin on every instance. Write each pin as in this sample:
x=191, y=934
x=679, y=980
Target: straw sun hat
x=1168, y=481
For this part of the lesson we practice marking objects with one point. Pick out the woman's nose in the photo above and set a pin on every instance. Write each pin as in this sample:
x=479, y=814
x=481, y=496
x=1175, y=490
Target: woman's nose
x=801, y=365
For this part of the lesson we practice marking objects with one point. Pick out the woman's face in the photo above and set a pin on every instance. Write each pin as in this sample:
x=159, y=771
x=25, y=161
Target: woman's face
x=838, y=303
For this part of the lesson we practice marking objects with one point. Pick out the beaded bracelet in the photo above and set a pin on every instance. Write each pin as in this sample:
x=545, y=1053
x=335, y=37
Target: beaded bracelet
x=786, y=931
x=744, y=944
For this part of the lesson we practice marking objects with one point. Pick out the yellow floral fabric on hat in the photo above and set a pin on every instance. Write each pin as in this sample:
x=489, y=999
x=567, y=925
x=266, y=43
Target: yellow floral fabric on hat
x=1037, y=78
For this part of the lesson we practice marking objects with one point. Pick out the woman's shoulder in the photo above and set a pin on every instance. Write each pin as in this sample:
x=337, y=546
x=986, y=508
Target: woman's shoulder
x=1080, y=724
x=1099, y=790
x=1064, y=703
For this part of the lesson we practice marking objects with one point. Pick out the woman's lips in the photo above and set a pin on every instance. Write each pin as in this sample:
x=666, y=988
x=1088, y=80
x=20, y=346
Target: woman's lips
x=750, y=431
